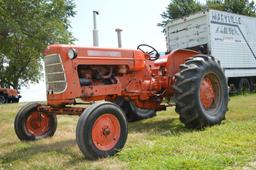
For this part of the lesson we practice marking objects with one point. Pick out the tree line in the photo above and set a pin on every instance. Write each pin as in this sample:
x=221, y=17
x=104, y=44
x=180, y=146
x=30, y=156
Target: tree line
x=180, y=8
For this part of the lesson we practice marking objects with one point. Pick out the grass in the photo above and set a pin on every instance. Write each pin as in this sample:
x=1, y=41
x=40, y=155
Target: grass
x=158, y=143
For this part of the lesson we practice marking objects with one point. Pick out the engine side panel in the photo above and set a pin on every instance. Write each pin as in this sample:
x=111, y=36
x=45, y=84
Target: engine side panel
x=80, y=82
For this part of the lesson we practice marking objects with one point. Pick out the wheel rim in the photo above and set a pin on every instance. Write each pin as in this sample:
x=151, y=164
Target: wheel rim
x=106, y=132
x=210, y=92
x=37, y=124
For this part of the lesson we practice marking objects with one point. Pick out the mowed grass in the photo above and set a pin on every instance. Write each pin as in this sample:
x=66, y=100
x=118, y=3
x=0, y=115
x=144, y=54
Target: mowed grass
x=161, y=142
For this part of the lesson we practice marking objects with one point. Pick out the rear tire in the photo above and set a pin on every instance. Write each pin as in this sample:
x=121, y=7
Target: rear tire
x=132, y=112
x=244, y=86
x=101, y=130
x=30, y=125
x=253, y=84
x=201, y=92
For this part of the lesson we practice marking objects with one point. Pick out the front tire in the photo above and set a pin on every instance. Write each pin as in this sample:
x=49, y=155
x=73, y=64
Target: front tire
x=31, y=125
x=101, y=130
x=201, y=92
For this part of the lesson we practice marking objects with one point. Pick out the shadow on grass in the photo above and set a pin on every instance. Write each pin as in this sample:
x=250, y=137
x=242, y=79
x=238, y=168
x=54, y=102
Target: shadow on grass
x=171, y=126
x=31, y=150
x=166, y=127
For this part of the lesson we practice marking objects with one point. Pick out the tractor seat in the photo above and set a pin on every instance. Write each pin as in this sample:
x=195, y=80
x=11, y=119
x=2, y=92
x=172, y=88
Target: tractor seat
x=161, y=61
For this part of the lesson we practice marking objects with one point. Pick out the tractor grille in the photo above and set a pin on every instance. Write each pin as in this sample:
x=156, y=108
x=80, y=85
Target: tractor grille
x=55, y=75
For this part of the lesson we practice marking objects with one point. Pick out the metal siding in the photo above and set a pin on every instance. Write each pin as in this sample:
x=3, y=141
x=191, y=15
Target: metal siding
x=233, y=42
x=187, y=32
x=230, y=37
x=240, y=73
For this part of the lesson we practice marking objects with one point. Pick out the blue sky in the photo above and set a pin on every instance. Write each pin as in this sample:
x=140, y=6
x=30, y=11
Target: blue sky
x=137, y=18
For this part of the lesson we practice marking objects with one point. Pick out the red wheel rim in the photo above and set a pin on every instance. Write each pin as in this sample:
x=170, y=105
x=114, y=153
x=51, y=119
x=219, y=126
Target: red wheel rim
x=106, y=132
x=207, y=92
x=37, y=124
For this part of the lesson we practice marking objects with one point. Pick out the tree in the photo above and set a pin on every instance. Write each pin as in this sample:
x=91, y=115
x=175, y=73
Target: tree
x=26, y=28
x=180, y=8
x=243, y=7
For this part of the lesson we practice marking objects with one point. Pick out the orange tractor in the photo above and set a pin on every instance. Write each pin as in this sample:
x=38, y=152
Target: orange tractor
x=9, y=95
x=127, y=85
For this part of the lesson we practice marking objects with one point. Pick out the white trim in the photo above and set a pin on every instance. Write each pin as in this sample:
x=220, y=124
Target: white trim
x=104, y=53
x=65, y=78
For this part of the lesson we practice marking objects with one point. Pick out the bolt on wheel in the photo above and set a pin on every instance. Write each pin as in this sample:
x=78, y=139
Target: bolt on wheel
x=210, y=91
x=106, y=132
x=37, y=124
x=101, y=130
x=31, y=125
x=201, y=92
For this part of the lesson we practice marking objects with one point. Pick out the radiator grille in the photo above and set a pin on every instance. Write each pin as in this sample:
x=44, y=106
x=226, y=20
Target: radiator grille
x=55, y=75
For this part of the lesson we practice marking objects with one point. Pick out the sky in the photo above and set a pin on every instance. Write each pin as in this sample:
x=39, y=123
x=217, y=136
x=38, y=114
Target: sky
x=137, y=18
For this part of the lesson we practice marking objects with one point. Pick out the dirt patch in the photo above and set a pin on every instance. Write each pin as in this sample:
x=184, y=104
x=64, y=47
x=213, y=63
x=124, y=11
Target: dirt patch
x=250, y=166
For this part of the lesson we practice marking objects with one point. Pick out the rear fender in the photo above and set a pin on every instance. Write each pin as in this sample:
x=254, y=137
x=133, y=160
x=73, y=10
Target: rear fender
x=176, y=58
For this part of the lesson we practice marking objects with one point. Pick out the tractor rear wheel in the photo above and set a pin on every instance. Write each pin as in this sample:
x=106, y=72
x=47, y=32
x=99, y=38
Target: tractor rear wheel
x=132, y=112
x=201, y=92
x=101, y=130
x=244, y=86
x=2, y=99
x=31, y=125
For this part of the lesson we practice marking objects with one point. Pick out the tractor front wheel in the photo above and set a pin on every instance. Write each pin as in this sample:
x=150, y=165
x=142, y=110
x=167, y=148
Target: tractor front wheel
x=201, y=92
x=32, y=125
x=101, y=130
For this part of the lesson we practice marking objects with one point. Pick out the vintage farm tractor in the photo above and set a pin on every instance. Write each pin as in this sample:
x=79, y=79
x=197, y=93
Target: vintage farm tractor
x=128, y=85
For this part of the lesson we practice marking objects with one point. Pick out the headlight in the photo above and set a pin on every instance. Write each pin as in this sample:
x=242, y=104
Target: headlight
x=72, y=54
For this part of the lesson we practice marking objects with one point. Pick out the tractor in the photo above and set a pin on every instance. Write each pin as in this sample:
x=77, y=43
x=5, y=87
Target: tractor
x=9, y=95
x=122, y=85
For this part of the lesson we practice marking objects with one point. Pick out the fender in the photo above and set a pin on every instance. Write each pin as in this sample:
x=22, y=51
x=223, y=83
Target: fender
x=176, y=58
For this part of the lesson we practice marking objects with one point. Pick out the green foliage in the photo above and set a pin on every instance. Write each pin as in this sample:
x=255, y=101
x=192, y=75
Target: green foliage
x=26, y=28
x=161, y=142
x=243, y=7
x=180, y=8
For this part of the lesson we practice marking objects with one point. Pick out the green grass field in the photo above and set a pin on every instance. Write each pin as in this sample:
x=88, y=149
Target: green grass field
x=158, y=143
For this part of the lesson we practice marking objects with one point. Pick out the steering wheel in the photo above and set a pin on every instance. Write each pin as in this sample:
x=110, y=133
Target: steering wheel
x=153, y=53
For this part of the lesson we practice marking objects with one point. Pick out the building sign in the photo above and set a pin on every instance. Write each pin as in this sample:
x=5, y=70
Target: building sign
x=226, y=18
